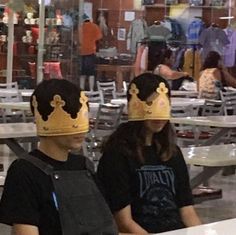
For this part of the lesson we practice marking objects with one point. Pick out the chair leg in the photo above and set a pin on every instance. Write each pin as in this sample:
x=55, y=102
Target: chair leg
x=91, y=82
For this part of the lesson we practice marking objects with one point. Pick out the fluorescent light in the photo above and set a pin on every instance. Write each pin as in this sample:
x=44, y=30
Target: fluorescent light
x=46, y=2
x=226, y=17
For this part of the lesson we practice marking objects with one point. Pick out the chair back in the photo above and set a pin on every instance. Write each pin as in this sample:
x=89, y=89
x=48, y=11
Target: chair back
x=118, y=95
x=184, y=111
x=95, y=96
x=108, y=117
x=229, y=98
x=11, y=96
x=8, y=114
x=106, y=88
x=9, y=85
x=208, y=95
x=212, y=108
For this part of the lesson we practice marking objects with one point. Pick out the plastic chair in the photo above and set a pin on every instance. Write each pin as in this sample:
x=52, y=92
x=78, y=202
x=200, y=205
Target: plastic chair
x=107, y=88
x=9, y=85
x=9, y=115
x=107, y=120
x=229, y=98
x=185, y=133
x=95, y=96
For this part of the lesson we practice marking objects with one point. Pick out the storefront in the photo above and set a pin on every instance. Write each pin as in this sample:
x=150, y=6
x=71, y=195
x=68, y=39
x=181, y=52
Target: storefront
x=39, y=39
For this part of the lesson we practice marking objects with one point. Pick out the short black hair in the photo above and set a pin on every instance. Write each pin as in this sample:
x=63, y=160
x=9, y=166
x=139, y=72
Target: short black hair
x=45, y=92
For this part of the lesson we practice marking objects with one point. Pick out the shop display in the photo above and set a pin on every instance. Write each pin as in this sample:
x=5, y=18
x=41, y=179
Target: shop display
x=171, y=2
x=217, y=2
x=148, y=2
x=196, y=2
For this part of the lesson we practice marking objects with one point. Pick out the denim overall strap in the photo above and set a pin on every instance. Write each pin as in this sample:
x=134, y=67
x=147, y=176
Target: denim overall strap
x=46, y=168
x=82, y=208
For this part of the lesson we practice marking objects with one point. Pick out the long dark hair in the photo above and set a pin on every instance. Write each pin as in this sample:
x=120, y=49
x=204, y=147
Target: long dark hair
x=212, y=60
x=129, y=138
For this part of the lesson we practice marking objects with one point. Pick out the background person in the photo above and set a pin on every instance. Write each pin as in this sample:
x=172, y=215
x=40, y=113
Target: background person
x=88, y=35
x=164, y=62
x=143, y=172
x=52, y=191
x=214, y=76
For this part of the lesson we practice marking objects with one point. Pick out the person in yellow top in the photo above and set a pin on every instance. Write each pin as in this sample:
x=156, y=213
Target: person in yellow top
x=89, y=34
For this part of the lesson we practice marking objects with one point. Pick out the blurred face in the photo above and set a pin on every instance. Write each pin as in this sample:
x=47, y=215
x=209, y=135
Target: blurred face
x=69, y=142
x=154, y=126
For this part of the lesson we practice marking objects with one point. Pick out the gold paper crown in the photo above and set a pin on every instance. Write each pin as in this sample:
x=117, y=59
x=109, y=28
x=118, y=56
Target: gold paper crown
x=60, y=122
x=158, y=109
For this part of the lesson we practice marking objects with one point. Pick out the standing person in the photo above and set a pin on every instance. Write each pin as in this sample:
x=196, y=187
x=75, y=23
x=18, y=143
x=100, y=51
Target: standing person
x=143, y=172
x=89, y=34
x=52, y=191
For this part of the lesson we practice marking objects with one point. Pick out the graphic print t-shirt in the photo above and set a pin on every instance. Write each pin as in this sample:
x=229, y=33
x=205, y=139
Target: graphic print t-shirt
x=155, y=190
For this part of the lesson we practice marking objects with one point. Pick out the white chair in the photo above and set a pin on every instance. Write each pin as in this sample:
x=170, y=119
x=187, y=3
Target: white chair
x=229, y=98
x=212, y=108
x=107, y=88
x=107, y=120
x=118, y=95
x=95, y=96
x=185, y=133
x=10, y=85
x=9, y=115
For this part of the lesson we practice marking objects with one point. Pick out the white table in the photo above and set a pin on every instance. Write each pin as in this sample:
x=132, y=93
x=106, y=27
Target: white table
x=24, y=92
x=213, y=159
x=175, y=101
x=24, y=106
x=10, y=133
x=225, y=123
x=224, y=227
x=178, y=93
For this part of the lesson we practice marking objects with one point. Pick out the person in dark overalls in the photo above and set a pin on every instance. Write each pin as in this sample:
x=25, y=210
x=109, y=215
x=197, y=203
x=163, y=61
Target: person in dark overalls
x=51, y=191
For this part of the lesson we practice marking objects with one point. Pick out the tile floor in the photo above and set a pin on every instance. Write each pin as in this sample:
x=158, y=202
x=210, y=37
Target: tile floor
x=209, y=211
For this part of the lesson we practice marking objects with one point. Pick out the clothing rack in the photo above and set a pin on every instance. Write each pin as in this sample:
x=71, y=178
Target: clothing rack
x=194, y=47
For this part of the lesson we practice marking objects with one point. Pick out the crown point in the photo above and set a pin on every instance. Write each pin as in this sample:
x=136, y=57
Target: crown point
x=57, y=101
x=133, y=90
x=162, y=88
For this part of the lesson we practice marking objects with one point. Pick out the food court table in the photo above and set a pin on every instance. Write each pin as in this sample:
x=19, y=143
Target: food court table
x=175, y=102
x=212, y=158
x=24, y=106
x=224, y=227
x=225, y=123
x=12, y=133
x=118, y=70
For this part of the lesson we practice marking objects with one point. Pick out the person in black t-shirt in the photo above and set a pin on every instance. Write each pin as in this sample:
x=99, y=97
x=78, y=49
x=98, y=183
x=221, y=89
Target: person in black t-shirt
x=52, y=191
x=142, y=170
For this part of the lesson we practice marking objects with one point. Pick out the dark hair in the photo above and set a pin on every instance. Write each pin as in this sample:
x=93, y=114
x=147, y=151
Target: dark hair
x=130, y=136
x=161, y=56
x=45, y=92
x=211, y=60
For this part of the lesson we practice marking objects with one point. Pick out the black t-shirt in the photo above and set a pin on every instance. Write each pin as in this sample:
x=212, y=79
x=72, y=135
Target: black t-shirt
x=27, y=197
x=155, y=190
